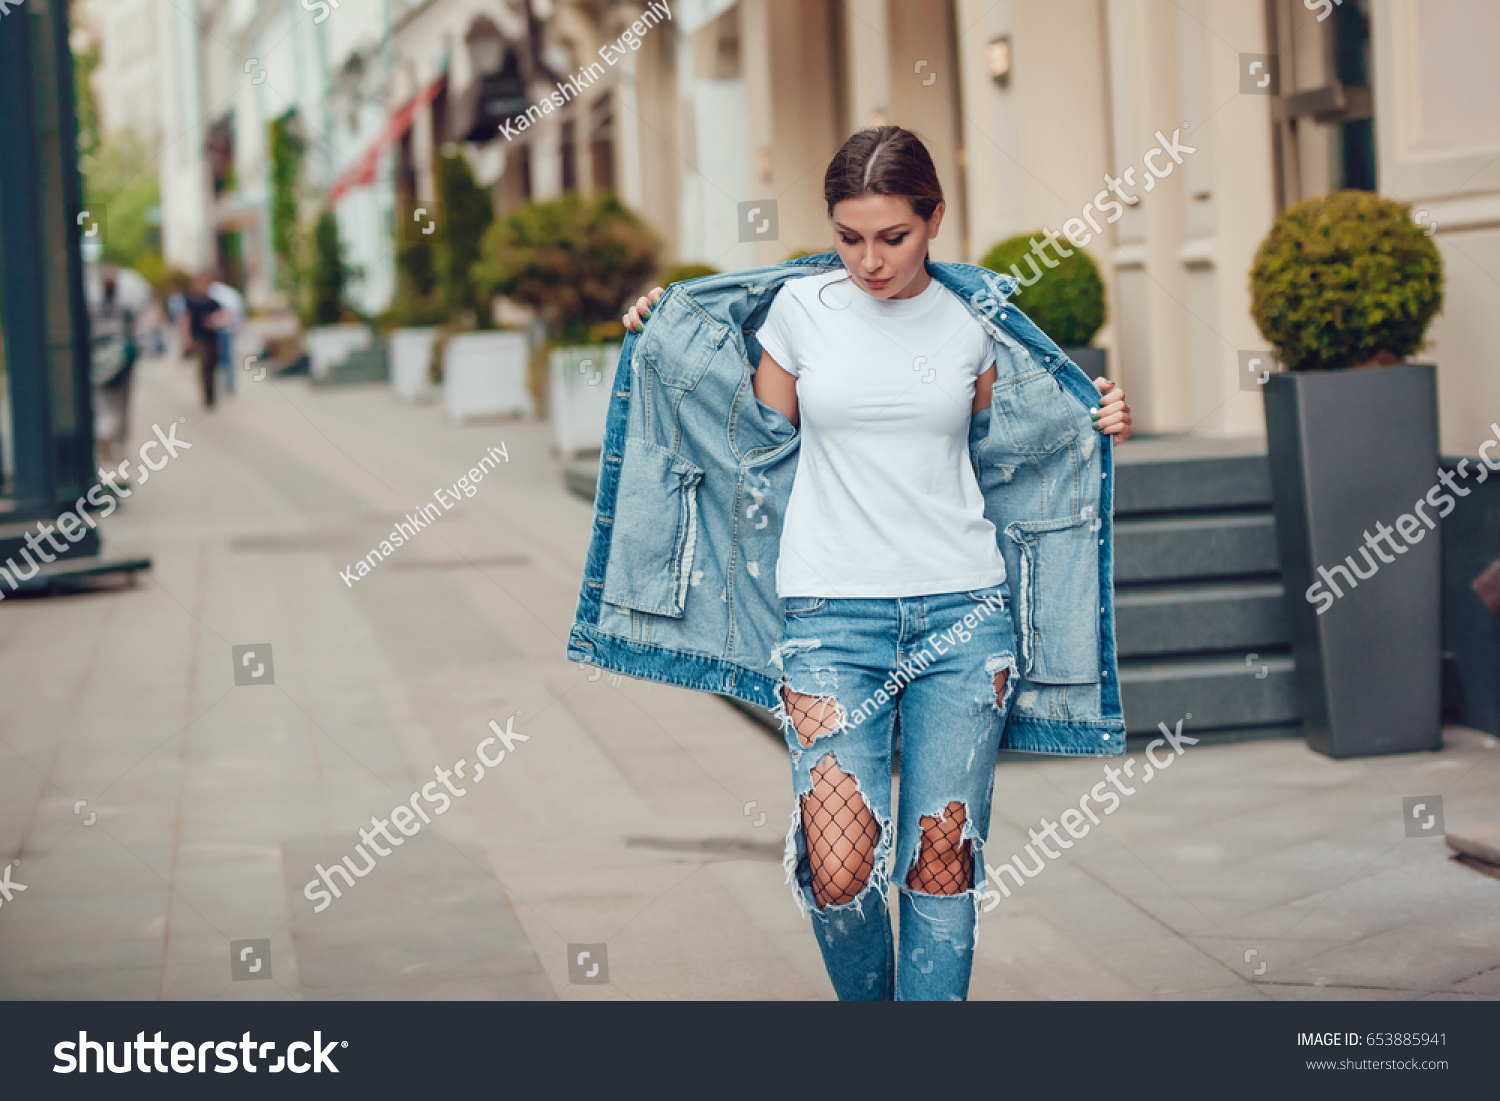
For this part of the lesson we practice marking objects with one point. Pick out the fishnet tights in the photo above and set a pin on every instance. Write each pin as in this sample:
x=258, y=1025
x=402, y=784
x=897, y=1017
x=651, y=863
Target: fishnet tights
x=811, y=715
x=945, y=865
x=841, y=830
x=841, y=835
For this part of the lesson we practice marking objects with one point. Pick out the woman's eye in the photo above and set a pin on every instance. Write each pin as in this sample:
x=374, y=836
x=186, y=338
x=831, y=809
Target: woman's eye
x=895, y=240
x=849, y=240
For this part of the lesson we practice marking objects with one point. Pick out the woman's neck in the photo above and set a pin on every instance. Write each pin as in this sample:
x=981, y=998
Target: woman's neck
x=919, y=283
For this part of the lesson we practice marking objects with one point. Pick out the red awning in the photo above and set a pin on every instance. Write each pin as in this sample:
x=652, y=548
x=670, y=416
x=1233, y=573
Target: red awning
x=361, y=172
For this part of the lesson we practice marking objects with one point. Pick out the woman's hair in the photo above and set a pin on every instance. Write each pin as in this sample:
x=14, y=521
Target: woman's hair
x=884, y=160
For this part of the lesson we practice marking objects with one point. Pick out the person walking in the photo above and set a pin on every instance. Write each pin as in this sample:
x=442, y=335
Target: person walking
x=884, y=544
x=199, y=321
x=233, y=305
x=114, y=351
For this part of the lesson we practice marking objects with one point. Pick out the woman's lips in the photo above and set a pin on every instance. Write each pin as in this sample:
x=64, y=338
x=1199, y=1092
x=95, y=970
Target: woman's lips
x=877, y=284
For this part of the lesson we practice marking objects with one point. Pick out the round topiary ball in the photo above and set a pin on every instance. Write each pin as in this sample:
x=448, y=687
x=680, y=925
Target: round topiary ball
x=1066, y=301
x=1345, y=279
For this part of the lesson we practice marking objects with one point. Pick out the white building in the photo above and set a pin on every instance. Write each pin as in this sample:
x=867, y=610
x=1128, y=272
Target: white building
x=1026, y=105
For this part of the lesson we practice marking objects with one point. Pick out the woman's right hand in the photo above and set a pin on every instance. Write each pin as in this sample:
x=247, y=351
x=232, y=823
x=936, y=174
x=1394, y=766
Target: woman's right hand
x=635, y=320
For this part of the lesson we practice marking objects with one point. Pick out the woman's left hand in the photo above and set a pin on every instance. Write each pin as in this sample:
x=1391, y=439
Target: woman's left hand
x=1113, y=416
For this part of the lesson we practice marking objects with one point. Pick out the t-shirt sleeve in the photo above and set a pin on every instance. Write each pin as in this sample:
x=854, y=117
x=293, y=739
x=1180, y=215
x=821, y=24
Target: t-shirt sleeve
x=987, y=357
x=775, y=332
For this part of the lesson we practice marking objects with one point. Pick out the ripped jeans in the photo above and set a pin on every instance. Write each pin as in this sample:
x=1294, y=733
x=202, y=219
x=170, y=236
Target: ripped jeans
x=946, y=663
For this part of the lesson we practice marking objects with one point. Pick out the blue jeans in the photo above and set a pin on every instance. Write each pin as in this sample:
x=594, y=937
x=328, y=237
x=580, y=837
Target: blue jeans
x=851, y=667
x=226, y=358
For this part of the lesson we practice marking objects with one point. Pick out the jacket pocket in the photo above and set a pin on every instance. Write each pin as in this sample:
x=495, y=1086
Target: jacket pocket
x=655, y=530
x=1057, y=599
x=681, y=341
x=1030, y=414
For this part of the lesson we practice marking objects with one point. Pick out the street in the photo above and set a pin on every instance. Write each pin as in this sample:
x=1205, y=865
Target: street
x=160, y=811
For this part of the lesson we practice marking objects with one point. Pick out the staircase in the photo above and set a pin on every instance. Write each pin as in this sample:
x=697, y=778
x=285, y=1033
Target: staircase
x=362, y=365
x=1199, y=608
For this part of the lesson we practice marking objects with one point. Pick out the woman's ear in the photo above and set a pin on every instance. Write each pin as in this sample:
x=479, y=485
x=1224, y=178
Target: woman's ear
x=936, y=220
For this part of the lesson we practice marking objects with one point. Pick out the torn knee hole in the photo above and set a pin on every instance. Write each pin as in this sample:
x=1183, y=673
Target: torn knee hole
x=945, y=864
x=841, y=832
x=812, y=716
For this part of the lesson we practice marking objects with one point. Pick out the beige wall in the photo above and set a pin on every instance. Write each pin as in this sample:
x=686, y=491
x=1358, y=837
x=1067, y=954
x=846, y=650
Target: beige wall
x=1437, y=138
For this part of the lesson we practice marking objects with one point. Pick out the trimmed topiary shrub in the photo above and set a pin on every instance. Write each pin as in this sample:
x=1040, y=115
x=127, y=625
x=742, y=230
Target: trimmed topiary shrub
x=1067, y=301
x=575, y=260
x=1345, y=280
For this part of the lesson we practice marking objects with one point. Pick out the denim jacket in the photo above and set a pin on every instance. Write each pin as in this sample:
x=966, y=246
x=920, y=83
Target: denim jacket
x=680, y=581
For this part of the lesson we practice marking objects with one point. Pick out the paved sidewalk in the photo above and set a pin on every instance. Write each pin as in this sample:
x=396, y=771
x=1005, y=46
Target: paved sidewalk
x=628, y=816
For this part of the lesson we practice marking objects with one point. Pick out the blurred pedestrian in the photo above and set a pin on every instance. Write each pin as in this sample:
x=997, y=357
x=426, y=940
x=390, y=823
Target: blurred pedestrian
x=233, y=305
x=113, y=352
x=199, y=322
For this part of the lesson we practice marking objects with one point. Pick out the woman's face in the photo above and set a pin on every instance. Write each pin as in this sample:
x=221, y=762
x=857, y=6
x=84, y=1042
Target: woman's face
x=883, y=243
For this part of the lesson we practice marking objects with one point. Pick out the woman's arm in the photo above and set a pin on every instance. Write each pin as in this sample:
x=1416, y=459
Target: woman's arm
x=776, y=387
x=984, y=387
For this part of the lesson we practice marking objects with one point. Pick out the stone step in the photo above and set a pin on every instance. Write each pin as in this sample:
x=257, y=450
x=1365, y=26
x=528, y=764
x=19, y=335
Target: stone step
x=1200, y=618
x=362, y=365
x=1226, y=545
x=1218, y=692
x=1188, y=475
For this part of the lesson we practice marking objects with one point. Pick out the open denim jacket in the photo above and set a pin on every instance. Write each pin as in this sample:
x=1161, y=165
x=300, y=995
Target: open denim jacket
x=680, y=581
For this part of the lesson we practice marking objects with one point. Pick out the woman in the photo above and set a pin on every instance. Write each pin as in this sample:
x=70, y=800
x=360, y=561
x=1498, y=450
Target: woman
x=885, y=541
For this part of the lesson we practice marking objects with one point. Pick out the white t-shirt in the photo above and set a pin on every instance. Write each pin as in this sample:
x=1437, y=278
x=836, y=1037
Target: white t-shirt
x=884, y=502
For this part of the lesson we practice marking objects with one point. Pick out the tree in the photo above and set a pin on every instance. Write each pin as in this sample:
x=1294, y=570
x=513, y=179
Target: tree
x=287, y=147
x=328, y=275
x=468, y=212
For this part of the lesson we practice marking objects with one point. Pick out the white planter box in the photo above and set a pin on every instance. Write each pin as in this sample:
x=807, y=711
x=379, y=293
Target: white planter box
x=330, y=345
x=410, y=357
x=580, y=380
x=484, y=374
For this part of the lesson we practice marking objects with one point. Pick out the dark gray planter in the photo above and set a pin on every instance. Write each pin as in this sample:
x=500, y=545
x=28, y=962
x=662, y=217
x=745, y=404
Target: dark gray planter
x=1350, y=450
x=1094, y=361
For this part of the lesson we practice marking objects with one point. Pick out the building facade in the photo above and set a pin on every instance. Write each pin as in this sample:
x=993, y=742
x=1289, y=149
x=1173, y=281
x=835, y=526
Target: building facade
x=1168, y=135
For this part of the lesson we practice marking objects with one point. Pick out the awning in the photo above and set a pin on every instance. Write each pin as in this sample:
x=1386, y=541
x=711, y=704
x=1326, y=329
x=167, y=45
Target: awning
x=361, y=172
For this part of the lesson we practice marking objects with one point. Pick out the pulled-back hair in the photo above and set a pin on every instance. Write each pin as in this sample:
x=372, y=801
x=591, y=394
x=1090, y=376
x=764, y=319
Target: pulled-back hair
x=884, y=160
